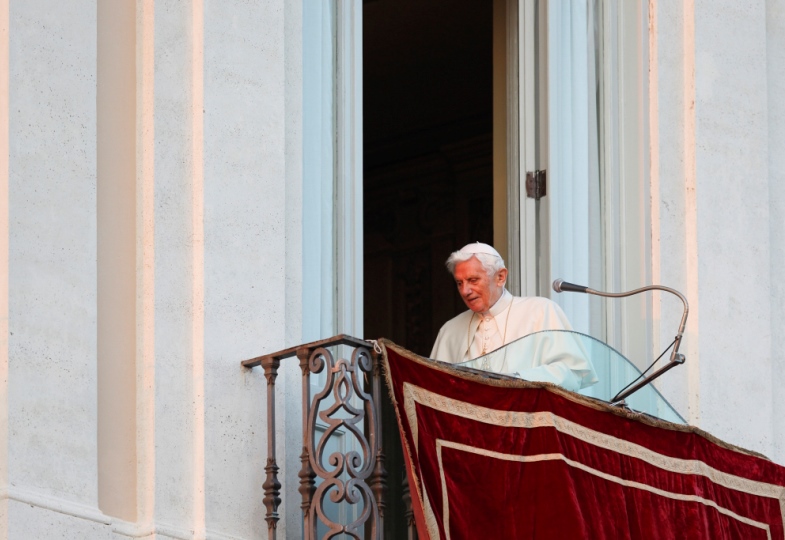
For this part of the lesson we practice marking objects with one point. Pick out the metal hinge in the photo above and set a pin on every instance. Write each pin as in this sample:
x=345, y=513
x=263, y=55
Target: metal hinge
x=535, y=184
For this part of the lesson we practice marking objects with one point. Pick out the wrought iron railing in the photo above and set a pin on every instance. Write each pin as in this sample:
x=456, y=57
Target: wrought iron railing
x=348, y=405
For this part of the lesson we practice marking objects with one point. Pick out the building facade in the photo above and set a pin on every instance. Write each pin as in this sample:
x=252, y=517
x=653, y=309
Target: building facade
x=181, y=188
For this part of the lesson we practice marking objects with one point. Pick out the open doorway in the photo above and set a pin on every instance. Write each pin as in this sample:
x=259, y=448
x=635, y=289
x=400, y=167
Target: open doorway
x=428, y=174
x=428, y=158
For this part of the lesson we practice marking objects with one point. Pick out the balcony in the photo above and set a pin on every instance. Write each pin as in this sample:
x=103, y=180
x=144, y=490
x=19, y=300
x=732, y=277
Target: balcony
x=343, y=481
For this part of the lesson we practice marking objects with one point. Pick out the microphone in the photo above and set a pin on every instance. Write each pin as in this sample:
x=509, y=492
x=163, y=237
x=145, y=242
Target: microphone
x=559, y=285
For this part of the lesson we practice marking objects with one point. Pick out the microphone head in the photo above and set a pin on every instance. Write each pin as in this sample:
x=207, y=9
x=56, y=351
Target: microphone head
x=561, y=286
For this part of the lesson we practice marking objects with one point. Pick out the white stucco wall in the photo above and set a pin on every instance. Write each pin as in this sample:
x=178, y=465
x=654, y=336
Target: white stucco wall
x=219, y=259
x=775, y=60
x=252, y=227
x=670, y=246
x=731, y=109
x=720, y=229
x=52, y=269
x=178, y=329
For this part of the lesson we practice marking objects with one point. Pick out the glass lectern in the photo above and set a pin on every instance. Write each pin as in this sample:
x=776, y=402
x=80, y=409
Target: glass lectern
x=576, y=362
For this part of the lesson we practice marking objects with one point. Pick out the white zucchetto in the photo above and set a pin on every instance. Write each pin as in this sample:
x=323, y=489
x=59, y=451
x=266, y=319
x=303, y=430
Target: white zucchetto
x=479, y=247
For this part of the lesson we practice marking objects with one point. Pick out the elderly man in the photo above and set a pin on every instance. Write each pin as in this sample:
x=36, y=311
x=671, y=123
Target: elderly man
x=496, y=318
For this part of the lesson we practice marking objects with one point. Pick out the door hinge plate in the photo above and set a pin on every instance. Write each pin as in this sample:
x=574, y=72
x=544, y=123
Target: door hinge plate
x=535, y=184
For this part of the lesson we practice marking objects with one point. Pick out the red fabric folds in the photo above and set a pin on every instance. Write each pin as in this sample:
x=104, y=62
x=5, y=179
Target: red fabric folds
x=512, y=459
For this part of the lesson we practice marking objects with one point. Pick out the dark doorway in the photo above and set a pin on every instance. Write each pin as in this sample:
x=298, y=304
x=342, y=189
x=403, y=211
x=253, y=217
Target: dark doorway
x=428, y=169
x=428, y=120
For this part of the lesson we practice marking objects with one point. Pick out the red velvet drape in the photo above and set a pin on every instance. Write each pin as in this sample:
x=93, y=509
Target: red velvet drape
x=494, y=459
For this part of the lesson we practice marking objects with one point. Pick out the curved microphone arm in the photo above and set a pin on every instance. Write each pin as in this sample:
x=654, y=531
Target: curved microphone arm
x=676, y=358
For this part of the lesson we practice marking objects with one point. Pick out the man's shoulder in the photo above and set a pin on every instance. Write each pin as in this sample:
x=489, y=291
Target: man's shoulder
x=534, y=302
x=537, y=313
x=462, y=319
x=451, y=338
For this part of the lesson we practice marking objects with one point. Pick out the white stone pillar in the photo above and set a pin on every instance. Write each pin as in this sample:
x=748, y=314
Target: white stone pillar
x=178, y=485
x=716, y=228
x=4, y=433
x=218, y=267
x=51, y=384
x=775, y=56
x=252, y=159
x=227, y=255
x=732, y=193
x=670, y=216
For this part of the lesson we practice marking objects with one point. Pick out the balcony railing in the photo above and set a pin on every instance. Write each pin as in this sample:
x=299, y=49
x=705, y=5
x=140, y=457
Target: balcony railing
x=348, y=406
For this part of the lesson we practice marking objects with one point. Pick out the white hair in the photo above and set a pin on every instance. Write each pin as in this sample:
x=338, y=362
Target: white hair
x=491, y=263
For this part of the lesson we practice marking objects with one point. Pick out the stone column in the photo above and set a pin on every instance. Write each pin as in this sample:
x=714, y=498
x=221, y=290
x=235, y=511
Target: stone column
x=50, y=391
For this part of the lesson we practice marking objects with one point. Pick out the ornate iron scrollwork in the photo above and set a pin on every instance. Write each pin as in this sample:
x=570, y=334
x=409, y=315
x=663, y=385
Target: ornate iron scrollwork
x=344, y=475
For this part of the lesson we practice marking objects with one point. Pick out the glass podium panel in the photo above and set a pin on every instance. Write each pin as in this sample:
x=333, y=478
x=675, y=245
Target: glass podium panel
x=576, y=362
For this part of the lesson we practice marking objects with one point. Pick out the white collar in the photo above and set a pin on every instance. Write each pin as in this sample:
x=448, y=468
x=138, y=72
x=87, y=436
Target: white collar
x=501, y=304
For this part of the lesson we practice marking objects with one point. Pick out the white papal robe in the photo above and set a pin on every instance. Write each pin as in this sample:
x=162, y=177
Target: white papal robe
x=471, y=335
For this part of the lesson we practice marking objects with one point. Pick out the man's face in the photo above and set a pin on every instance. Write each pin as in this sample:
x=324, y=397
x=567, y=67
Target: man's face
x=478, y=290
